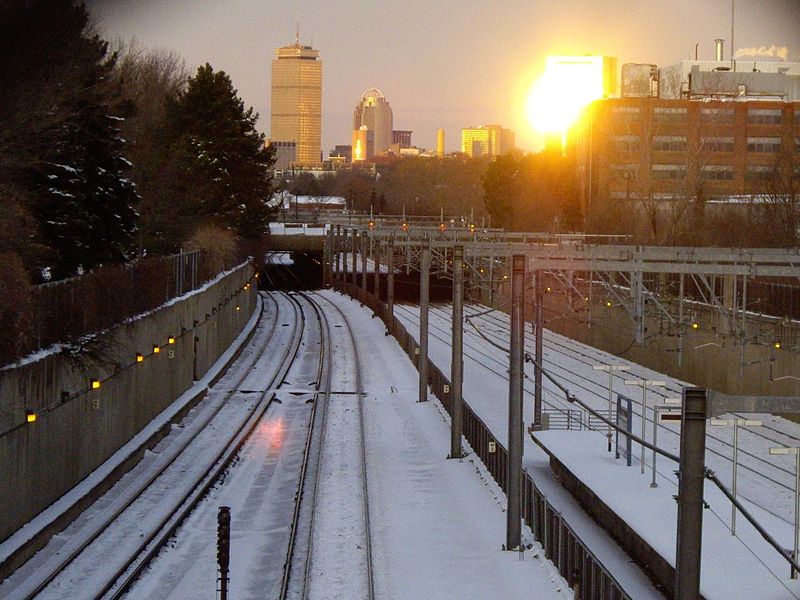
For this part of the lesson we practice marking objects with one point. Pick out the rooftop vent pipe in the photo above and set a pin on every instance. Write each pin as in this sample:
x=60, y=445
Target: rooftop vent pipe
x=718, y=44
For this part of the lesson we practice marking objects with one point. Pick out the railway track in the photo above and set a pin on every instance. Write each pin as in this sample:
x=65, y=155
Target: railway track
x=341, y=483
x=493, y=328
x=129, y=534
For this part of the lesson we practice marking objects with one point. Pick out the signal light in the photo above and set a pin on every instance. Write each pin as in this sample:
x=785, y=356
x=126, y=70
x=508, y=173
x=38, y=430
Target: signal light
x=695, y=325
x=472, y=227
x=777, y=344
x=30, y=416
x=237, y=307
x=95, y=384
x=442, y=227
x=404, y=226
x=609, y=304
x=548, y=289
x=371, y=225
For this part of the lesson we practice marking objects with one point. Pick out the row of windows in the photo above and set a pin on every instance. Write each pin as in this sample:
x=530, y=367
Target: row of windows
x=709, y=172
x=631, y=144
x=671, y=114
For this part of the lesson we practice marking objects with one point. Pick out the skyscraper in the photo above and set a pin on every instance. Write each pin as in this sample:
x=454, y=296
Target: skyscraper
x=374, y=113
x=296, y=114
x=486, y=140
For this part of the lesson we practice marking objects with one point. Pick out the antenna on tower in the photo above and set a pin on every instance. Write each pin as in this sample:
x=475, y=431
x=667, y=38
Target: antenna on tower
x=297, y=33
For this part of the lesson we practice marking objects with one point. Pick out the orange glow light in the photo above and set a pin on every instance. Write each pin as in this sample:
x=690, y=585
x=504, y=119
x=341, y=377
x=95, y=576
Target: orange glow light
x=568, y=85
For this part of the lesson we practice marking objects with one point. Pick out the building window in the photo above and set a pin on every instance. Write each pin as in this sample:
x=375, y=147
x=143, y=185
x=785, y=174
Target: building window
x=669, y=114
x=626, y=144
x=625, y=170
x=626, y=113
x=669, y=143
x=763, y=144
x=716, y=144
x=758, y=173
x=717, y=115
x=718, y=172
x=764, y=116
x=669, y=171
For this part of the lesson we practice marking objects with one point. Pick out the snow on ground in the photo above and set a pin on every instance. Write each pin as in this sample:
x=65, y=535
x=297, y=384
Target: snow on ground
x=485, y=373
x=437, y=525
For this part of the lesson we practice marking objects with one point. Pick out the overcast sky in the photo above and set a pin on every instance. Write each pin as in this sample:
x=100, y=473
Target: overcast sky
x=441, y=63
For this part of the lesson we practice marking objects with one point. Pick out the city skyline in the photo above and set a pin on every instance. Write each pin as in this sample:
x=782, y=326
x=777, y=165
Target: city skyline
x=444, y=65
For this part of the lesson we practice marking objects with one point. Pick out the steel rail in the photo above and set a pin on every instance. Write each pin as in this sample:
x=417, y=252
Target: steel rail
x=152, y=544
x=365, y=485
x=323, y=388
x=71, y=556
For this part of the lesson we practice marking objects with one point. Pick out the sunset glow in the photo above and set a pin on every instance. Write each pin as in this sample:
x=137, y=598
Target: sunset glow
x=567, y=86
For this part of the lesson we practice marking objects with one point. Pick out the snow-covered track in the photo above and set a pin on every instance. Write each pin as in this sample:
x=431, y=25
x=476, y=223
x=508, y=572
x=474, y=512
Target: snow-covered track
x=328, y=566
x=66, y=577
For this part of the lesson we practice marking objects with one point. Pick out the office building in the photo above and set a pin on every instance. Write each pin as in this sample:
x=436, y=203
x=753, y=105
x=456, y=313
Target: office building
x=373, y=113
x=401, y=138
x=486, y=141
x=363, y=147
x=644, y=148
x=296, y=111
x=285, y=154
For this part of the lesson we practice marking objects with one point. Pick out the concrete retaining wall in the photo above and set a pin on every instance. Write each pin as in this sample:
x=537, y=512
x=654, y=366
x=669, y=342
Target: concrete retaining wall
x=78, y=428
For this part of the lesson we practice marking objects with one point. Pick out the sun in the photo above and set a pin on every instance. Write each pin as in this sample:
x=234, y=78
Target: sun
x=568, y=85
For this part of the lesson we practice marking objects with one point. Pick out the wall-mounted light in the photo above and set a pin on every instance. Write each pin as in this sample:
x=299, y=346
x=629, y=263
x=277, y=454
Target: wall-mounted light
x=95, y=384
x=695, y=325
x=777, y=345
x=548, y=289
x=609, y=304
x=139, y=357
x=156, y=348
x=171, y=339
x=30, y=416
x=237, y=307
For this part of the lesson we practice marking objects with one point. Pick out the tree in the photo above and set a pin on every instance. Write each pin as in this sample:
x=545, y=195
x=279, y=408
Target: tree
x=222, y=160
x=59, y=135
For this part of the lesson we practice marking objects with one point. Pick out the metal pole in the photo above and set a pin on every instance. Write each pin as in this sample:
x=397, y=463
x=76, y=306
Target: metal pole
x=377, y=261
x=644, y=423
x=491, y=281
x=354, y=246
x=390, y=281
x=795, y=555
x=364, y=262
x=345, y=244
x=610, y=404
x=424, y=307
x=690, y=495
x=515, y=427
x=457, y=359
x=653, y=483
x=735, y=468
x=537, y=371
x=680, y=322
x=338, y=273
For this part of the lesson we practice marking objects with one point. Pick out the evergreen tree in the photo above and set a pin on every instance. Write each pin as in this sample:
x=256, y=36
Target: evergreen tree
x=222, y=157
x=60, y=143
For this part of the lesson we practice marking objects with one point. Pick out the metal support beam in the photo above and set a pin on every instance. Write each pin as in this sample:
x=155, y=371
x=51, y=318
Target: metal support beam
x=377, y=263
x=457, y=359
x=515, y=425
x=326, y=260
x=364, y=261
x=354, y=248
x=337, y=251
x=690, y=495
x=390, y=280
x=424, y=307
x=537, y=373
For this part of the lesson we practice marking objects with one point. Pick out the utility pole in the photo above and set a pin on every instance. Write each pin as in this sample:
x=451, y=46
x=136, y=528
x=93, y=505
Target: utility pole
x=691, y=477
x=390, y=282
x=515, y=425
x=457, y=359
x=424, y=307
x=537, y=371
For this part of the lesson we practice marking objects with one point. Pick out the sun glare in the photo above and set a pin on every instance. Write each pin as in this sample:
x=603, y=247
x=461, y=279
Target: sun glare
x=567, y=86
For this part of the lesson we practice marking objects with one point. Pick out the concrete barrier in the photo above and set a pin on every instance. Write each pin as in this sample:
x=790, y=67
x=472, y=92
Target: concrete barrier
x=78, y=427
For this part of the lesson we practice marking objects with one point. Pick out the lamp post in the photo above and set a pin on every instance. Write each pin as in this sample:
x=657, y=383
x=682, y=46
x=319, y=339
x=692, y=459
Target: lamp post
x=611, y=369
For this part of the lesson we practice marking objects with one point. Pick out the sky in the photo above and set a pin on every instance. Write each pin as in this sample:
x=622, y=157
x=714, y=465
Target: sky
x=442, y=63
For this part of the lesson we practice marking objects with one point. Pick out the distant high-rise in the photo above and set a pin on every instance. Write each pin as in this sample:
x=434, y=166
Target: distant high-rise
x=296, y=114
x=486, y=140
x=374, y=113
